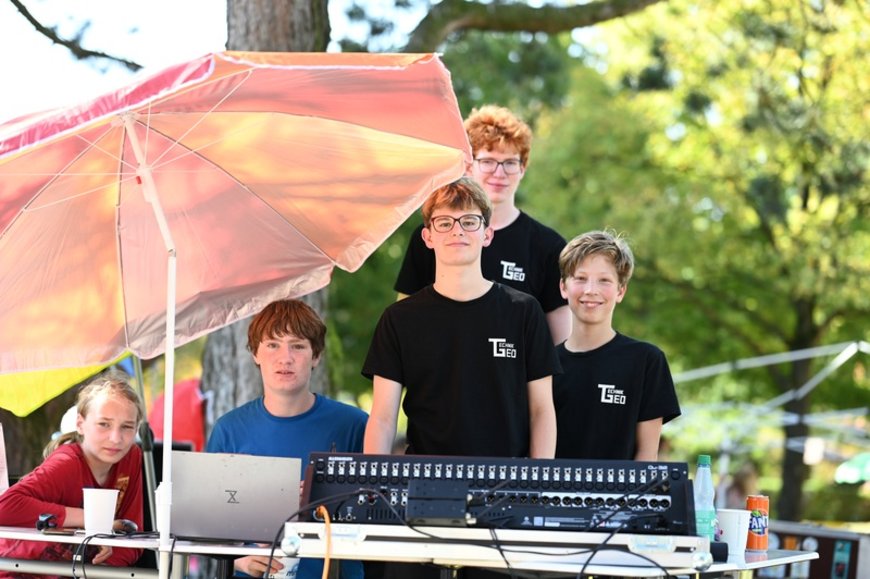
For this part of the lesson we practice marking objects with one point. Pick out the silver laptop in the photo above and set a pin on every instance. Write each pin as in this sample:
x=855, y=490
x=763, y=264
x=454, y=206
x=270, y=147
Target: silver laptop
x=235, y=497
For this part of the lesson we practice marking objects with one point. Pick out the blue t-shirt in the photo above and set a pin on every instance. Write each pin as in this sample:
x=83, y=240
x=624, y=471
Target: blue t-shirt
x=328, y=425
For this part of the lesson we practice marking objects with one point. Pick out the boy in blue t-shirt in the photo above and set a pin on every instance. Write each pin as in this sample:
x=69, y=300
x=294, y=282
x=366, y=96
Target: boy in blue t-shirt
x=287, y=340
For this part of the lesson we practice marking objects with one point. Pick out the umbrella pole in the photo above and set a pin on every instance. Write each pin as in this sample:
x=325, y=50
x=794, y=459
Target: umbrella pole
x=147, y=438
x=164, y=490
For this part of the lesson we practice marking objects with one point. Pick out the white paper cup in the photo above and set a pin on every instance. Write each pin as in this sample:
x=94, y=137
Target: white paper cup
x=291, y=566
x=734, y=526
x=99, y=510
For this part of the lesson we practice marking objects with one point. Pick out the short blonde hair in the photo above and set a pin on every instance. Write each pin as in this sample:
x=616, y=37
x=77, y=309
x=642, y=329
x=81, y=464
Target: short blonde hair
x=607, y=243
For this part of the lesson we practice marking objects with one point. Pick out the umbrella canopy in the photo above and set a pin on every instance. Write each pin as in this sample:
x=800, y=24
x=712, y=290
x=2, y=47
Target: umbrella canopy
x=197, y=195
x=23, y=393
x=270, y=169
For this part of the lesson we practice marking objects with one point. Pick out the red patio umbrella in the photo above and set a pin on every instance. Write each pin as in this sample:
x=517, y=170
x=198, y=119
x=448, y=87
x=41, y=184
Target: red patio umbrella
x=197, y=195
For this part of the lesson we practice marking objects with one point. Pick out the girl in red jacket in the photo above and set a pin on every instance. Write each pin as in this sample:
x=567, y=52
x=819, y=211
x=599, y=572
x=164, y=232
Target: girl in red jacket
x=101, y=453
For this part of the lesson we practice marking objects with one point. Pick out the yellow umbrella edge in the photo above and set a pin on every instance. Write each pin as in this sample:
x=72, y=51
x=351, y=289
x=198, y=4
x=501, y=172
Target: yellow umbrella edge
x=24, y=392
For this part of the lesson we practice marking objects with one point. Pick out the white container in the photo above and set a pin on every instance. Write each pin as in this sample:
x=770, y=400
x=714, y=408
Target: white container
x=99, y=506
x=734, y=525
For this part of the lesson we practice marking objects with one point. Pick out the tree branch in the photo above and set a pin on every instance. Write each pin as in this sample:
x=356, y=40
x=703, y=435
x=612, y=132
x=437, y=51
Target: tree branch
x=72, y=45
x=709, y=303
x=452, y=15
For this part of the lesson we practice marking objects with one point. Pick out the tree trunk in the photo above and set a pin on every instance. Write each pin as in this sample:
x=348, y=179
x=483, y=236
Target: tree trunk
x=230, y=376
x=789, y=505
x=277, y=25
x=26, y=437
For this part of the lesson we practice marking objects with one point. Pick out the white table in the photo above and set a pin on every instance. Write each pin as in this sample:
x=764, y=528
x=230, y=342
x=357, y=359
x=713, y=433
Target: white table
x=528, y=553
x=532, y=553
x=64, y=568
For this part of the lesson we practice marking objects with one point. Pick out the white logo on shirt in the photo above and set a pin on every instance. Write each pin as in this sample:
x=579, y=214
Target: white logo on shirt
x=509, y=270
x=610, y=394
x=502, y=349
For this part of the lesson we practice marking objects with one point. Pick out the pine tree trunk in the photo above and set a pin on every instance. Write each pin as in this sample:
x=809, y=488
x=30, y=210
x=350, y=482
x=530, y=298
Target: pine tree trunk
x=230, y=377
x=277, y=25
x=26, y=437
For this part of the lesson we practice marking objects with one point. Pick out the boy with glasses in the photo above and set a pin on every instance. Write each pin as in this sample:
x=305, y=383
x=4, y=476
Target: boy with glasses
x=523, y=254
x=474, y=357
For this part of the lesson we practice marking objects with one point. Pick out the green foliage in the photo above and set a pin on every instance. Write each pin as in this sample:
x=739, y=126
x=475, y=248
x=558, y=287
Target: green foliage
x=741, y=180
x=827, y=502
x=726, y=141
x=356, y=302
x=740, y=177
x=528, y=73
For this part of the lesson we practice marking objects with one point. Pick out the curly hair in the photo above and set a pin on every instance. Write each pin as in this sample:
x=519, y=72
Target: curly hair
x=493, y=127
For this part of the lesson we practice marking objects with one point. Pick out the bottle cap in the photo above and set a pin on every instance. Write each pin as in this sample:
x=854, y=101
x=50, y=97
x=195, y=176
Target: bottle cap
x=704, y=459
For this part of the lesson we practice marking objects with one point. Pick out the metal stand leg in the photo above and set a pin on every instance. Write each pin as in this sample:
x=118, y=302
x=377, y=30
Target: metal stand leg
x=224, y=567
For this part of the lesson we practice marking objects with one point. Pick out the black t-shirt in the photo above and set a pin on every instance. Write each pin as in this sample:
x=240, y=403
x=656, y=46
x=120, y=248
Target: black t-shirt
x=602, y=395
x=524, y=255
x=465, y=367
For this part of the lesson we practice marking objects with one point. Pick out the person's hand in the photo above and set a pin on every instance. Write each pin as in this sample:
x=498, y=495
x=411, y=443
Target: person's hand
x=255, y=565
x=104, y=553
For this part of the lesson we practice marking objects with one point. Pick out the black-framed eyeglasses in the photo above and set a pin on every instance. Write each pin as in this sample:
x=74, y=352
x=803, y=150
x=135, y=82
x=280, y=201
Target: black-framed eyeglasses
x=444, y=223
x=510, y=166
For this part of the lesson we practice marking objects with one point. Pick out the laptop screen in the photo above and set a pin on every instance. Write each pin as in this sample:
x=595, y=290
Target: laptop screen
x=235, y=497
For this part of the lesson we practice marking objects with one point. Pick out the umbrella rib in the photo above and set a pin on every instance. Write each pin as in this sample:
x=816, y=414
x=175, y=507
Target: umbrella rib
x=56, y=175
x=148, y=127
x=241, y=185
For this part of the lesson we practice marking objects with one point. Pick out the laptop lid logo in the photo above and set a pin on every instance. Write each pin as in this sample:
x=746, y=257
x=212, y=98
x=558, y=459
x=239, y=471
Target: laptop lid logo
x=231, y=499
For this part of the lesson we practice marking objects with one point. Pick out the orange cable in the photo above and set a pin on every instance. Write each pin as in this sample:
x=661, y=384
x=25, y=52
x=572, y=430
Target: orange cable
x=321, y=510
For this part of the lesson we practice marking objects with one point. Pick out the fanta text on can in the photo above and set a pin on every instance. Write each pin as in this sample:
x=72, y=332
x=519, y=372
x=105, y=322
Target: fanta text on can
x=758, y=507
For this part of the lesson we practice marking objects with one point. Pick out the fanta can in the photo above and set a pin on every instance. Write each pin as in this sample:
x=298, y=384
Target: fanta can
x=758, y=507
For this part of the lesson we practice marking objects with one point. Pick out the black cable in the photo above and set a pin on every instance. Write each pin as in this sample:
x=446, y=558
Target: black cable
x=495, y=503
x=501, y=552
x=305, y=507
x=171, y=555
x=604, y=547
x=638, y=492
x=82, y=550
x=80, y=553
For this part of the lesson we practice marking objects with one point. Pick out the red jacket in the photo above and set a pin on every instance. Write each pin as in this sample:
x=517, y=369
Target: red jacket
x=58, y=483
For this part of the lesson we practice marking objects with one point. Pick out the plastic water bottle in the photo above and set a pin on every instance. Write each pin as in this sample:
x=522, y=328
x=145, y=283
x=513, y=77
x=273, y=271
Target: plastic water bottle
x=705, y=510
